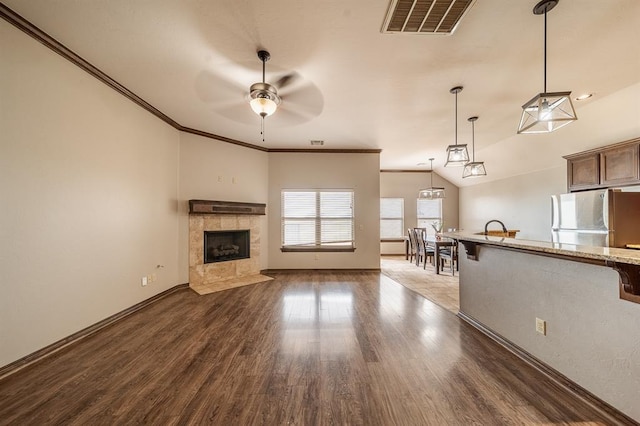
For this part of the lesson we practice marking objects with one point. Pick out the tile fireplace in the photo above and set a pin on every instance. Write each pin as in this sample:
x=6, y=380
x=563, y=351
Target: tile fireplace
x=224, y=245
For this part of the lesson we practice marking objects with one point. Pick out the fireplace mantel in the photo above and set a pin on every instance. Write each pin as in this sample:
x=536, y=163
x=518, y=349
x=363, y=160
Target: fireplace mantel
x=225, y=207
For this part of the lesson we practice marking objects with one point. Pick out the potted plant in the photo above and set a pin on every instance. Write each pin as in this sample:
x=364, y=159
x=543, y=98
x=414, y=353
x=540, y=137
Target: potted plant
x=437, y=226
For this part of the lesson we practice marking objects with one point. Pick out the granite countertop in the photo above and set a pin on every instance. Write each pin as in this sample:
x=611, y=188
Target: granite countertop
x=586, y=252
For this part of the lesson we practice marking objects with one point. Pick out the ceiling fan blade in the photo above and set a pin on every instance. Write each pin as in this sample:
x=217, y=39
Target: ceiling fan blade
x=306, y=99
x=240, y=113
x=285, y=117
x=211, y=87
x=287, y=80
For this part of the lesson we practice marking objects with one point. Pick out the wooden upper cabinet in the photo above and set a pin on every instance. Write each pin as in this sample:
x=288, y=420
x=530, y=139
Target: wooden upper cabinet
x=619, y=166
x=609, y=166
x=583, y=172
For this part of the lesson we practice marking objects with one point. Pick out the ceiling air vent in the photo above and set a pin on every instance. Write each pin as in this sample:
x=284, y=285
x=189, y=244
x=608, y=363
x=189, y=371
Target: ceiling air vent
x=425, y=16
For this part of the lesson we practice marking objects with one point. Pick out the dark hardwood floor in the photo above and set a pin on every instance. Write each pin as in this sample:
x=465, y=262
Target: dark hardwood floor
x=304, y=349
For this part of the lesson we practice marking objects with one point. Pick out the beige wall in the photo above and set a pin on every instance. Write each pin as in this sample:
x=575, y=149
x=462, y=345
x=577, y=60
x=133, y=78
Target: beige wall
x=406, y=185
x=592, y=335
x=214, y=170
x=328, y=171
x=520, y=202
x=88, y=194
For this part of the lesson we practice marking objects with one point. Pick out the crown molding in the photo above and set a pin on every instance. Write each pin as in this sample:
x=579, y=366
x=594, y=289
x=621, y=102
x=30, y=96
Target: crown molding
x=404, y=171
x=327, y=151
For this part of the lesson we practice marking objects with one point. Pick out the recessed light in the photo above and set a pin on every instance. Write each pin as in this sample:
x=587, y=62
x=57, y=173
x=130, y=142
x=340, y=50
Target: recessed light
x=584, y=96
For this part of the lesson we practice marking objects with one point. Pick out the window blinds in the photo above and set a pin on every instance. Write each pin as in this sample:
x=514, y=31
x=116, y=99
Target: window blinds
x=317, y=219
x=391, y=218
x=429, y=211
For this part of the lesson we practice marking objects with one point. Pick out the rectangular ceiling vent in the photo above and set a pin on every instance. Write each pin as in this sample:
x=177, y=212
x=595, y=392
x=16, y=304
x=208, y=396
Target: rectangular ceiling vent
x=425, y=16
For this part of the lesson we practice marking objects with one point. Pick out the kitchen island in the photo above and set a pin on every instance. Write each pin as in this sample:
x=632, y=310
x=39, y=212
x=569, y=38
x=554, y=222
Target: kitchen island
x=581, y=297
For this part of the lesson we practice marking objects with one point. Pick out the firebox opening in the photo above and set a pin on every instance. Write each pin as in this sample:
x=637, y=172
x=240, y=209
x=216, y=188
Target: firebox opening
x=221, y=246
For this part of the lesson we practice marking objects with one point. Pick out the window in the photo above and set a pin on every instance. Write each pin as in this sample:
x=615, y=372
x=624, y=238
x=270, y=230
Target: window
x=391, y=218
x=429, y=211
x=317, y=220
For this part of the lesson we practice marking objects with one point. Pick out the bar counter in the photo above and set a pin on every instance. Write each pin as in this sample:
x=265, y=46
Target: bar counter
x=571, y=250
x=625, y=261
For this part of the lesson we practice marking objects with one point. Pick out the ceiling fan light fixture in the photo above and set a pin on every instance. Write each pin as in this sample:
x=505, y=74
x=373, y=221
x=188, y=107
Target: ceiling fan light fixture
x=263, y=106
x=264, y=99
x=457, y=155
x=432, y=192
x=547, y=111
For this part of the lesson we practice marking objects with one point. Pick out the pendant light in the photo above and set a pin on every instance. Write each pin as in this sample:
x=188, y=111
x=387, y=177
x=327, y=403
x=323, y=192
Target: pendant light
x=474, y=168
x=263, y=97
x=457, y=155
x=431, y=193
x=547, y=111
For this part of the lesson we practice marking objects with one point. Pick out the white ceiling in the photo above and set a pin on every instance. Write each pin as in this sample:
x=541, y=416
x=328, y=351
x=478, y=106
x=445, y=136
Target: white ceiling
x=356, y=87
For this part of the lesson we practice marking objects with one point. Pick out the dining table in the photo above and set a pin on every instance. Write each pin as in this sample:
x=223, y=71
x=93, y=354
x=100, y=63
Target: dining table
x=437, y=243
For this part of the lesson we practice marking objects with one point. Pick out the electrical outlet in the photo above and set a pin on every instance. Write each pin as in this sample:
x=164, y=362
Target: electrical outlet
x=541, y=326
x=145, y=281
x=233, y=180
x=154, y=277
x=317, y=257
x=220, y=178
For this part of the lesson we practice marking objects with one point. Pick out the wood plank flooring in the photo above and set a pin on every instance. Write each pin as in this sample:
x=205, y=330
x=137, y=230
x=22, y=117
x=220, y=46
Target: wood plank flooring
x=304, y=349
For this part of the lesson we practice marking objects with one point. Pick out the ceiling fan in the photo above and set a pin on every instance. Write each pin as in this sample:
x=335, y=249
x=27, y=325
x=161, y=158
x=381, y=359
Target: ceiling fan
x=288, y=99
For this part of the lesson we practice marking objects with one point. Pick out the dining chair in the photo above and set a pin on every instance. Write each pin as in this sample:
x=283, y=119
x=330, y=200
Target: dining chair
x=412, y=244
x=449, y=254
x=424, y=252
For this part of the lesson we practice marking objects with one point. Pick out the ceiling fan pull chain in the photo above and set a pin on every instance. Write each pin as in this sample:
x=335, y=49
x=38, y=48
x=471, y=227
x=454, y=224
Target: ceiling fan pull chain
x=262, y=127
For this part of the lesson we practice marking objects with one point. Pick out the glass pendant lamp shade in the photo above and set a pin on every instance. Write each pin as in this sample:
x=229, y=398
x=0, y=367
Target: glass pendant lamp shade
x=547, y=111
x=474, y=168
x=264, y=99
x=457, y=155
x=432, y=192
x=263, y=106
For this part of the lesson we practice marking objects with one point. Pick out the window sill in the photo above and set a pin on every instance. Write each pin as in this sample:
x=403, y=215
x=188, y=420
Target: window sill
x=392, y=240
x=318, y=249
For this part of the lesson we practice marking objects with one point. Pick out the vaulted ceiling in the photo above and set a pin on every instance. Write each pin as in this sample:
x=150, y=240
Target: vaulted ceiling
x=353, y=86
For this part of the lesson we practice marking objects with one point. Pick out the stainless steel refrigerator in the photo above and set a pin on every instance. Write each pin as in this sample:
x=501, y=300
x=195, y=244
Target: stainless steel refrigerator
x=604, y=218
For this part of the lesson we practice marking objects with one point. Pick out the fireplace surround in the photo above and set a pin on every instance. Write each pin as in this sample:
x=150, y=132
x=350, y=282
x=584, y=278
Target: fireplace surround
x=215, y=217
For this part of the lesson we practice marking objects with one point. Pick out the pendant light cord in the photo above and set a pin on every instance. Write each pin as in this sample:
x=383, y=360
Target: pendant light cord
x=456, y=120
x=473, y=141
x=545, y=50
x=431, y=174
